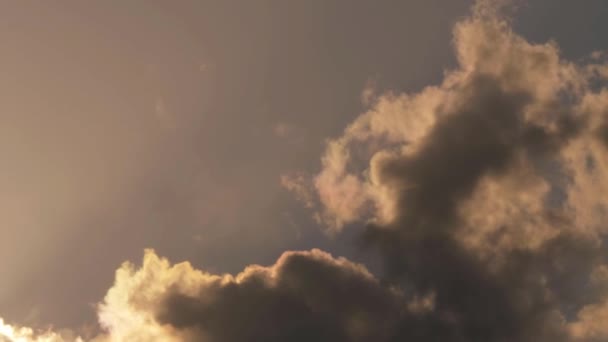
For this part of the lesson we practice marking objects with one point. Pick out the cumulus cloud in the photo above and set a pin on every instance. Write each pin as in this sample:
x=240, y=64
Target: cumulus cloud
x=11, y=333
x=484, y=195
x=304, y=296
x=508, y=99
x=485, y=190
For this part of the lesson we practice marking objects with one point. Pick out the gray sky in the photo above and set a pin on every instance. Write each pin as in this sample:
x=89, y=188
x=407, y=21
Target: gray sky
x=167, y=124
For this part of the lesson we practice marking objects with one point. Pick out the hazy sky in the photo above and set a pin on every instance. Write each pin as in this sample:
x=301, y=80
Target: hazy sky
x=168, y=125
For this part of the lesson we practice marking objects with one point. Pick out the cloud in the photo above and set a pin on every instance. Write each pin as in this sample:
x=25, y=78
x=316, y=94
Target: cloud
x=485, y=190
x=505, y=100
x=304, y=296
x=298, y=185
x=591, y=324
x=10, y=333
x=484, y=196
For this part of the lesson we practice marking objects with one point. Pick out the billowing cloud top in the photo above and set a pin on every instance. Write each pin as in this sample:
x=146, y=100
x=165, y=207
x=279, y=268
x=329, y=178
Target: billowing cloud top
x=484, y=195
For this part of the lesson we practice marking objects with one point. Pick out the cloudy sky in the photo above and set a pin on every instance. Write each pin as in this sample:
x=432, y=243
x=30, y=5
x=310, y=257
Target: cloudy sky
x=218, y=171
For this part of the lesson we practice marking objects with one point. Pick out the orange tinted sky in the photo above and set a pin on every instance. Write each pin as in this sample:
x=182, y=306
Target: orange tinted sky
x=168, y=125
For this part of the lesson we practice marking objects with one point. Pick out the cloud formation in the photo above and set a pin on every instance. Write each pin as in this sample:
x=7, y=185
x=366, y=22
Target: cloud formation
x=486, y=190
x=484, y=195
x=11, y=333
x=304, y=296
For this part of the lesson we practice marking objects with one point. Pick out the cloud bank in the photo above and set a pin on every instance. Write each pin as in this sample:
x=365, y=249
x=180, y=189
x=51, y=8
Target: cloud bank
x=484, y=195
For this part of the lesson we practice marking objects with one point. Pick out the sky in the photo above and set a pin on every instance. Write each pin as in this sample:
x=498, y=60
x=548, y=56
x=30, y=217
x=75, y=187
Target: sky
x=401, y=170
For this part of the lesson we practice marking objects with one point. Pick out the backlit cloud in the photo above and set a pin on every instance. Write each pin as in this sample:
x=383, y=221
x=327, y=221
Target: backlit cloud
x=483, y=195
